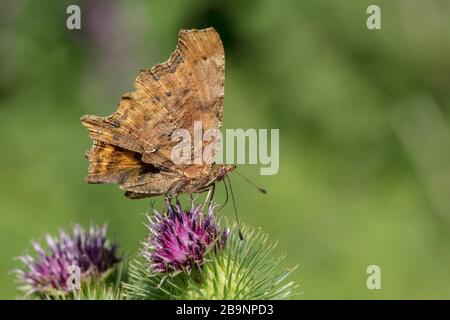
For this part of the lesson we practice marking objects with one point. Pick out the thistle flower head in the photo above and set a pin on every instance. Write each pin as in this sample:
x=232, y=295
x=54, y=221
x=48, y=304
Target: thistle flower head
x=88, y=251
x=179, y=240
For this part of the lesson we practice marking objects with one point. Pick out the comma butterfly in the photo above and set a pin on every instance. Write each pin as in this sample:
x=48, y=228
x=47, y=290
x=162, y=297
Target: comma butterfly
x=132, y=147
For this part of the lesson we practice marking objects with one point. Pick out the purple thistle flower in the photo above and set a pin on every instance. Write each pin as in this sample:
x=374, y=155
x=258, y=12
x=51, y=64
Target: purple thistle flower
x=90, y=251
x=179, y=240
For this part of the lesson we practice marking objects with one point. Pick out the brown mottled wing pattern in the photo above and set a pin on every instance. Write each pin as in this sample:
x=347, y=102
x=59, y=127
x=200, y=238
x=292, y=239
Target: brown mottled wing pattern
x=111, y=164
x=188, y=87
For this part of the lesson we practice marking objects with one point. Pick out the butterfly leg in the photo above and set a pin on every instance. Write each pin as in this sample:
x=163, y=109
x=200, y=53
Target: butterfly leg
x=168, y=201
x=209, y=196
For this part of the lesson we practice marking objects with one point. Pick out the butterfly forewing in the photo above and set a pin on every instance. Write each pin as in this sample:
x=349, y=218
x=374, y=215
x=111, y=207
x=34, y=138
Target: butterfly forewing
x=173, y=95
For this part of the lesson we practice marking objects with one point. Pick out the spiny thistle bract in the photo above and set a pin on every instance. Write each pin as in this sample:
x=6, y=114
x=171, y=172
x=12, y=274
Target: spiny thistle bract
x=234, y=270
x=48, y=273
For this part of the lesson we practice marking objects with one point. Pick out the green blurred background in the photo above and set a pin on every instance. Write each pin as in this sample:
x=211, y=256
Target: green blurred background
x=363, y=115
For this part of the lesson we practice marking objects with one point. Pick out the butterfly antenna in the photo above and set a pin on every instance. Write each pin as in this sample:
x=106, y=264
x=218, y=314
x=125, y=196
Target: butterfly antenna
x=252, y=183
x=226, y=197
x=235, y=210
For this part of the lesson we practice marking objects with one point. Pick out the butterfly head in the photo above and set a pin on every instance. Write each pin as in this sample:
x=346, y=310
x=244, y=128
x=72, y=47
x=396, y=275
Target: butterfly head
x=219, y=171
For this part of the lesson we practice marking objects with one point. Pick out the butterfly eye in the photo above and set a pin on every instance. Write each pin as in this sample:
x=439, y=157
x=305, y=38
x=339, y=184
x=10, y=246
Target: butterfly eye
x=221, y=172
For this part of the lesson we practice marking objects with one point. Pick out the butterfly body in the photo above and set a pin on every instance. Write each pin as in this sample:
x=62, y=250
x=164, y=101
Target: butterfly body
x=133, y=146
